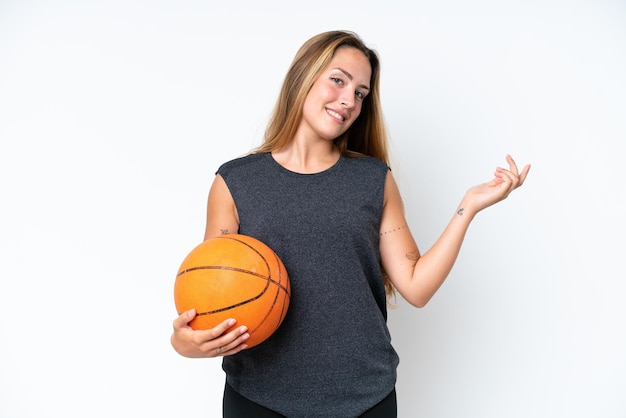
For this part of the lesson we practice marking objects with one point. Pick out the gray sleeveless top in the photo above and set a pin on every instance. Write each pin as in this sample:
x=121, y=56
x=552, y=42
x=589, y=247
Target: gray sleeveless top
x=332, y=356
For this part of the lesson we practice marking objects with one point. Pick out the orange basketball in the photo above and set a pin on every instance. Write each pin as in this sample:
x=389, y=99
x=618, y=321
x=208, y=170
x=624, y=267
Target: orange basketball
x=234, y=276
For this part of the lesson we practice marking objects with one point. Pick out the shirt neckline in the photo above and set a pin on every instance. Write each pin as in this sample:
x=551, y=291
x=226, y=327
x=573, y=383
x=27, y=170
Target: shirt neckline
x=295, y=173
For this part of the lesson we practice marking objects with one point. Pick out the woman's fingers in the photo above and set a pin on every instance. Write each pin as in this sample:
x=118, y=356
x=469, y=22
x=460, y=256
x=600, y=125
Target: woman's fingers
x=229, y=343
x=212, y=342
x=513, y=175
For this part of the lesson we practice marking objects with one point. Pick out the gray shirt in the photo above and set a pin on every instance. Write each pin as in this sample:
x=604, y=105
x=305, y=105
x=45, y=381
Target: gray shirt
x=332, y=356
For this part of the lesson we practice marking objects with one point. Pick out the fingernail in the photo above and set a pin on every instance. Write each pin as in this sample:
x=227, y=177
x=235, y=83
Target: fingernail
x=231, y=322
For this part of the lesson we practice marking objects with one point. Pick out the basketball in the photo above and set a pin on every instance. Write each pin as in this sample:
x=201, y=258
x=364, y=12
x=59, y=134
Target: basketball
x=234, y=276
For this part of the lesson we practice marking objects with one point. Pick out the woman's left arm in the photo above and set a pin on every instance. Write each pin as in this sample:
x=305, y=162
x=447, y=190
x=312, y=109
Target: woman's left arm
x=417, y=277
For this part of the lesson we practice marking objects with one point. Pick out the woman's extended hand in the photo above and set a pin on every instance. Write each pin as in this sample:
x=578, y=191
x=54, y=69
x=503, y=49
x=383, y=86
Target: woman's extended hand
x=207, y=343
x=504, y=182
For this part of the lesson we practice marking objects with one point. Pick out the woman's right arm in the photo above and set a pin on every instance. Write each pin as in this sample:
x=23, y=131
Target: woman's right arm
x=221, y=219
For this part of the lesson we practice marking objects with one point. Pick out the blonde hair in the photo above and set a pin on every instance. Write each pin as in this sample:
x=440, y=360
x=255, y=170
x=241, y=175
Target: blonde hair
x=366, y=136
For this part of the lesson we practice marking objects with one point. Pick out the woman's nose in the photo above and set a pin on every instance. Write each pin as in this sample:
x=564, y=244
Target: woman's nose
x=347, y=100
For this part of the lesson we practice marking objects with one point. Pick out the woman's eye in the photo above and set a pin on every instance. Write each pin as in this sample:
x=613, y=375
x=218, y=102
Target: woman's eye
x=337, y=80
x=359, y=95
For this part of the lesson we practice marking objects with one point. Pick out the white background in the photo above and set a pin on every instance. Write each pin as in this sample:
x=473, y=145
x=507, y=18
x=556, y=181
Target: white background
x=115, y=115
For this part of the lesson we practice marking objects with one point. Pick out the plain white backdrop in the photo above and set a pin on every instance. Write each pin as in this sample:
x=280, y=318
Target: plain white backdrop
x=115, y=115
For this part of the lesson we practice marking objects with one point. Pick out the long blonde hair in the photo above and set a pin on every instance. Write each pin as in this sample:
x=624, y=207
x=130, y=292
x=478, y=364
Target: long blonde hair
x=366, y=136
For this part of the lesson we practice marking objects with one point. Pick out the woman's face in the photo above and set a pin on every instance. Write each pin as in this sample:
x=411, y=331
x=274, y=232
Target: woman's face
x=335, y=99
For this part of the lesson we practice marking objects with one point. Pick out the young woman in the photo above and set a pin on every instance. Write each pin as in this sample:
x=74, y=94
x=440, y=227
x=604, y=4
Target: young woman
x=319, y=191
